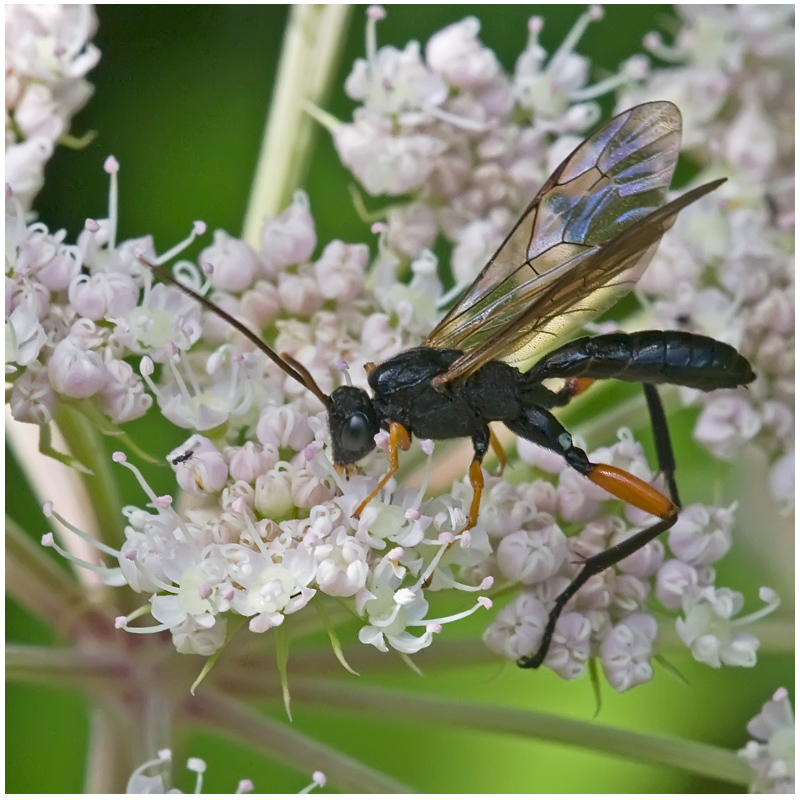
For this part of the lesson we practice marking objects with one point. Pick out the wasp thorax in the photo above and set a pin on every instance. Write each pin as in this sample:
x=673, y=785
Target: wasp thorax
x=353, y=424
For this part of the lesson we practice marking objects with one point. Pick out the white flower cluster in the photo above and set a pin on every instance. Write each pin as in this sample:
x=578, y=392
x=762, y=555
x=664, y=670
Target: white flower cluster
x=468, y=142
x=727, y=270
x=276, y=526
x=48, y=54
x=771, y=752
x=273, y=529
x=59, y=298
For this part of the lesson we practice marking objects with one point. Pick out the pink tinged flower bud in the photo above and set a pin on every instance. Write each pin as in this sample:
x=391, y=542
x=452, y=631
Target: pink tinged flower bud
x=626, y=651
x=340, y=271
x=54, y=265
x=448, y=179
x=541, y=495
x=630, y=593
x=384, y=162
x=261, y=304
x=76, y=372
x=645, y=561
x=673, y=580
x=284, y=426
x=31, y=294
x=32, y=397
x=274, y=495
x=457, y=55
x=577, y=497
x=517, y=630
x=726, y=422
x=289, y=238
x=342, y=570
x=299, y=294
x=25, y=336
x=104, y=294
x=411, y=229
x=123, y=398
x=531, y=556
x=246, y=463
x=308, y=490
x=702, y=534
x=235, y=264
x=37, y=113
x=381, y=338
x=571, y=646
x=395, y=81
x=204, y=471
x=24, y=166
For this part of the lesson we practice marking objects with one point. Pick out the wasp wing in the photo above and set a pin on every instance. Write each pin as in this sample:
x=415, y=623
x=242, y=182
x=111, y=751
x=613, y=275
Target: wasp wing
x=598, y=218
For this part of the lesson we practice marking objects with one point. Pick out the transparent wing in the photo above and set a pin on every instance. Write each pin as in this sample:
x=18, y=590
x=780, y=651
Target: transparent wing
x=581, y=243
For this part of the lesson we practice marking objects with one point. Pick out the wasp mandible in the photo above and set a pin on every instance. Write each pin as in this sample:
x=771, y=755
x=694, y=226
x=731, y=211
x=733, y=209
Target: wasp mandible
x=583, y=241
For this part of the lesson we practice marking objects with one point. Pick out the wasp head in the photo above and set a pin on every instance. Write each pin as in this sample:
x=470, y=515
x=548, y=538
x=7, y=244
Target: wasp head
x=353, y=423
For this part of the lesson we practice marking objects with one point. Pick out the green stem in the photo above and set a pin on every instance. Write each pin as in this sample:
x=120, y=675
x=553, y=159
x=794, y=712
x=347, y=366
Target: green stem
x=64, y=667
x=246, y=675
x=223, y=715
x=312, y=45
x=36, y=582
x=86, y=444
x=696, y=757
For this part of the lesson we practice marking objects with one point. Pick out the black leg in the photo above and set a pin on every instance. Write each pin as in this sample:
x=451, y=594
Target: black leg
x=664, y=454
x=541, y=427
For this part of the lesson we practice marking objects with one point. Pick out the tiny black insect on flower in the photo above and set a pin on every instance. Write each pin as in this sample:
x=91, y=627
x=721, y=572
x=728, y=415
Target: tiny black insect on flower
x=182, y=458
x=584, y=240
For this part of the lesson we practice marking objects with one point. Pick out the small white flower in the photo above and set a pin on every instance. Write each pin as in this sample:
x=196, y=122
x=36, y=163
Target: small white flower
x=772, y=755
x=535, y=554
x=517, y=630
x=702, y=534
x=708, y=628
x=626, y=651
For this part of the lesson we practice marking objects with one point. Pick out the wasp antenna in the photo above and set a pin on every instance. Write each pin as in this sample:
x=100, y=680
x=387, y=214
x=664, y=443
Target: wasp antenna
x=308, y=380
x=301, y=375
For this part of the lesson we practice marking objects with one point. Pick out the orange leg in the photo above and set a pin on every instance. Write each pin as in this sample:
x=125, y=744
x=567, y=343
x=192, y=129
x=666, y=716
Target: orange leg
x=476, y=481
x=502, y=458
x=632, y=490
x=400, y=438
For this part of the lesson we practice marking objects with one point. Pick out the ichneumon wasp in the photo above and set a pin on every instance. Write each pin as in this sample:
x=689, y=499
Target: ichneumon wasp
x=584, y=240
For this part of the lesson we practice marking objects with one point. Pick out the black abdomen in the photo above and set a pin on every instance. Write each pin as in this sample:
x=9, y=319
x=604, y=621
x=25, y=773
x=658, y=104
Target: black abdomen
x=685, y=359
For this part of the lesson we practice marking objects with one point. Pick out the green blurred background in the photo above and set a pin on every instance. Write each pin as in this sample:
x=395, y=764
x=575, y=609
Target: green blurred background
x=181, y=96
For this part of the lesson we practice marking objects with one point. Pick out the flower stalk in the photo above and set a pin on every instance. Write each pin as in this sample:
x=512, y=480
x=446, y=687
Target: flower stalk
x=312, y=46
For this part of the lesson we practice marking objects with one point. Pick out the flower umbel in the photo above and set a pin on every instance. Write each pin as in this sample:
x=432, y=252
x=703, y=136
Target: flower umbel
x=247, y=553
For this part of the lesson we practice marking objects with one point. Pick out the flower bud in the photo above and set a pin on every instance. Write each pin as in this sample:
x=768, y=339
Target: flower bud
x=75, y=371
x=289, y=238
x=104, y=294
x=274, y=495
x=235, y=264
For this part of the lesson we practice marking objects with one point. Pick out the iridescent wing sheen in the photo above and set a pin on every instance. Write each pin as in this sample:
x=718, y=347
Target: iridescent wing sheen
x=584, y=240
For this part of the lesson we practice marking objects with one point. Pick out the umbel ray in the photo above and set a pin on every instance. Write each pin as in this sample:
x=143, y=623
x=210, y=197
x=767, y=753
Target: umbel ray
x=583, y=241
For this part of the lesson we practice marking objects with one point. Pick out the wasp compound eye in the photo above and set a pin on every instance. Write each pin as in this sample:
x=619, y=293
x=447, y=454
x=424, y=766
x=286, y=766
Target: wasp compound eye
x=356, y=432
x=353, y=424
